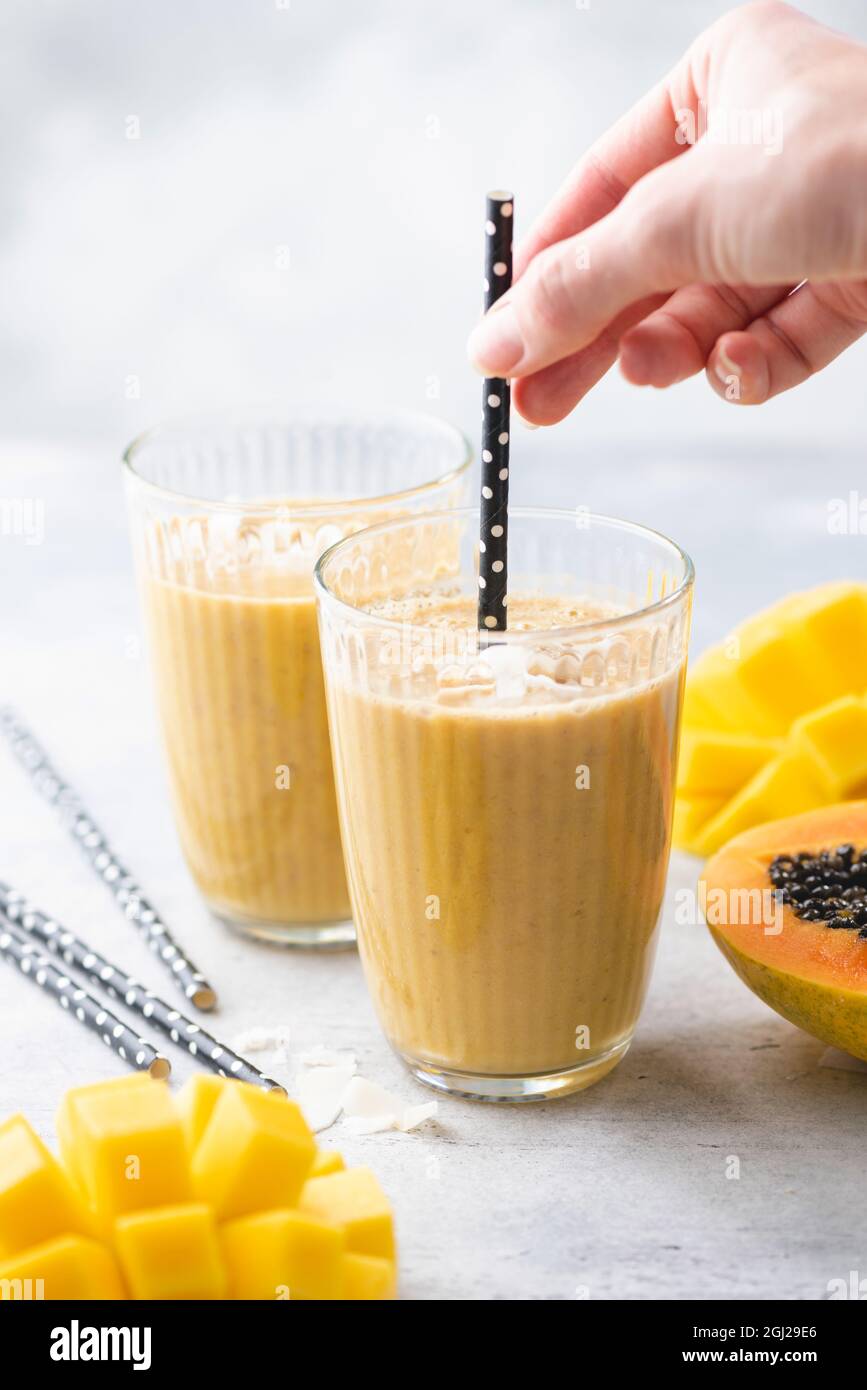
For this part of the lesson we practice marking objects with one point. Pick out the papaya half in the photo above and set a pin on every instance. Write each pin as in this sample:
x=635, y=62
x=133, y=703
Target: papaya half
x=786, y=903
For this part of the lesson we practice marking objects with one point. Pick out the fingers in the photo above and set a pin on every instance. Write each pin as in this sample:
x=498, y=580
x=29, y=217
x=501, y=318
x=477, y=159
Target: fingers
x=571, y=291
x=643, y=138
x=788, y=344
x=549, y=395
x=674, y=343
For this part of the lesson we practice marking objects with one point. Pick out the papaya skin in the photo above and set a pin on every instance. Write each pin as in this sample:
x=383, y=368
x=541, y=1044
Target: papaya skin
x=808, y=973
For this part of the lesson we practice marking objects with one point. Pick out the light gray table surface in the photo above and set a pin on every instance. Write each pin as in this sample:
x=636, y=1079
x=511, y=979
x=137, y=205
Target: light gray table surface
x=617, y=1193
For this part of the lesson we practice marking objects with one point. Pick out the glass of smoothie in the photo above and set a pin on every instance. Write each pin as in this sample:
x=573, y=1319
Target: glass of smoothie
x=506, y=801
x=229, y=516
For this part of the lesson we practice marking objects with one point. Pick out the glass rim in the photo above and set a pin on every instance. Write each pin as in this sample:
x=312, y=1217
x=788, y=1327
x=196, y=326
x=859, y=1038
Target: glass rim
x=275, y=415
x=618, y=621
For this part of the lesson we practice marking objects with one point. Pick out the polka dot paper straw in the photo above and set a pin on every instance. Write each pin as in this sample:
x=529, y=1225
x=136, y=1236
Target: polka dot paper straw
x=21, y=915
x=494, y=533
x=17, y=949
x=126, y=892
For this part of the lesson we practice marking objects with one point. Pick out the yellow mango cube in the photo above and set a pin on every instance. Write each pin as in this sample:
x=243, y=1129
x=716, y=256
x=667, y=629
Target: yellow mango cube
x=835, y=618
x=327, y=1161
x=69, y=1267
x=196, y=1100
x=354, y=1200
x=699, y=709
x=836, y=737
x=37, y=1199
x=127, y=1148
x=64, y=1120
x=780, y=671
x=367, y=1277
x=283, y=1255
x=786, y=786
x=718, y=764
x=691, y=814
x=254, y=1154
x=715, y=695
x=171, y=1253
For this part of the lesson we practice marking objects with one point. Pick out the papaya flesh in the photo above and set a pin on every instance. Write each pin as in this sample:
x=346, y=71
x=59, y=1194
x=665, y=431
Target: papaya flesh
x=813, y=975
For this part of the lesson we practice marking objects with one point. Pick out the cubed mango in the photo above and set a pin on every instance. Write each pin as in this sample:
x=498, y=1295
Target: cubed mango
x=836, y=737
x=64, y=1120
x=718, y=764
x=283, y=1255
x=354, y=1200
x=691, y=815
x=171, y=1253
x=196, y=1100
x=128, y=1148
x=780, y=671
x=785, y=786
x=255, y=1153
x=37, y=1199
x=367, y=1277
x=835, y=617
x=327, y=1161
x=68, y=1267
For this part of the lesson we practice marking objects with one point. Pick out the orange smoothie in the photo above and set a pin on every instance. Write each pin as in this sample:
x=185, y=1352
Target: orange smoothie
x=242, y=706
x=507, y=834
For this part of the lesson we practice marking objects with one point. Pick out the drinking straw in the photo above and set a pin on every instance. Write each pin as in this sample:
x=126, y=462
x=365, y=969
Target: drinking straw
x=496, y=402
x=17, y=949
x=84, y=830
x=24, y=917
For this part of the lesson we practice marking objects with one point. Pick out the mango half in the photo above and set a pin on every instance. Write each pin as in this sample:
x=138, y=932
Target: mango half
x=811, y=974
x=775, y=718
x=218, y=1193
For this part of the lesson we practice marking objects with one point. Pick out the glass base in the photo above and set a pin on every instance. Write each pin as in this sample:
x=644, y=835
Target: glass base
x=318, y=936
x=546, y=1085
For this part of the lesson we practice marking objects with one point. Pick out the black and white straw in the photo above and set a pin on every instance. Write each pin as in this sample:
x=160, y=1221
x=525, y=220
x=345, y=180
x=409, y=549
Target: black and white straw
x=84, y=830
x=18, y=949
x=494, y=534
x=16, y=911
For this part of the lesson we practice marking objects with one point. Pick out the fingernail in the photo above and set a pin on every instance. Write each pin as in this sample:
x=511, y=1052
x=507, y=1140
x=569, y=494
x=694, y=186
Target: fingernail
x=725, y=368
x=528, y=424
x=495, y=345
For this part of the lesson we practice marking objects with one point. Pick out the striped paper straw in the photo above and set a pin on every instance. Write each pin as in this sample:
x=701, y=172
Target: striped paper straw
x=15, y=909
x=84, y=830
x=17, y=949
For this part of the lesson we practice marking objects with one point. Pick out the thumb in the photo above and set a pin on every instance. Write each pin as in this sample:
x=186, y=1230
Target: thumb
x=569, y=292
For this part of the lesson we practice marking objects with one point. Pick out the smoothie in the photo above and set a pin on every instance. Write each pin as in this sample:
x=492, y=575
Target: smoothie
x=506, y=829
x=229, y=516
x=242, y=706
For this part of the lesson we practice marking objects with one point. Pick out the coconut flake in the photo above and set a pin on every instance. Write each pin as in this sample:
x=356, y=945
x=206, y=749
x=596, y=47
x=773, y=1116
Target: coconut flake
x=415, y=1115
x=320, y=1092
x=369, y=1109
x=261, y=1040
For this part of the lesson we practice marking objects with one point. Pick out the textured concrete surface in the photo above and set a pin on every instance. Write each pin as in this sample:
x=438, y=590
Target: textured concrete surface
x=621, y=1192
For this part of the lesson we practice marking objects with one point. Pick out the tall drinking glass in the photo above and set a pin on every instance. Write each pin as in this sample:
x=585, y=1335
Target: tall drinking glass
x=228, y=519
x=506, y=808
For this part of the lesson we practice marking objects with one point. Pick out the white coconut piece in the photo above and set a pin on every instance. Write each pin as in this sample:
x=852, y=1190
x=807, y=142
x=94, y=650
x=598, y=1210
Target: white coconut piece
x=415, y=1115
x=320, y=1092
x=261, y=1040
x=368, y=1109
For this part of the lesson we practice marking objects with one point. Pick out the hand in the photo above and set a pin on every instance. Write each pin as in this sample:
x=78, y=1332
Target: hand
x=677, y=256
